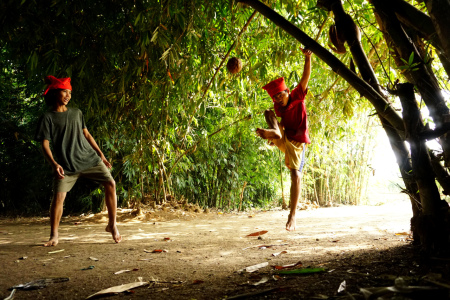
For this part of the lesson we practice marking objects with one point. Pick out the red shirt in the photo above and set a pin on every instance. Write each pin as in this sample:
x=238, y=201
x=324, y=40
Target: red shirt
x=293, y=116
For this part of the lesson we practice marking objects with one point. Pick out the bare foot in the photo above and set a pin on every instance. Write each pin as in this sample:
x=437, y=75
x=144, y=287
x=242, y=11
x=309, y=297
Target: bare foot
x=53, y=241
x=114, y=232
x=290, y=225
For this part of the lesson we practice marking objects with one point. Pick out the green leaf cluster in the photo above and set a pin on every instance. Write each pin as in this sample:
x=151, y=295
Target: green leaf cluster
x=140, y=72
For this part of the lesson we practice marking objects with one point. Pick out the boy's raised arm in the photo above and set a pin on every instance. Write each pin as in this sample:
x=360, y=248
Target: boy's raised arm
x=306, y=69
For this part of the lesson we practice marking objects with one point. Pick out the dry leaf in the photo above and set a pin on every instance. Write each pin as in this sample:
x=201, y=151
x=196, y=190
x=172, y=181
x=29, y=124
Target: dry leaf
x=298, y=264
x=254, y=268
x=51, y=252
x=197, y=282
x=264, y=279
x=258, y=233
x=118, y=289
x=159, y=251
x=279, y=253
x=402, y=233
x=93, y=258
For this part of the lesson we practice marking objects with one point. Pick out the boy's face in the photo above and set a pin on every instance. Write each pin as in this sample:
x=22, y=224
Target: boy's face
x=63, y=97
x=282, y=98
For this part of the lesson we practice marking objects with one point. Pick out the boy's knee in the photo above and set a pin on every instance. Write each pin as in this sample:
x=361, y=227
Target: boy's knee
x=269, y=113
x=110, y=184
x=295, y=175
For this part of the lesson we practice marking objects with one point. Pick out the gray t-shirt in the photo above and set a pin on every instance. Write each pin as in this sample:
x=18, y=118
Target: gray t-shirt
x=70, y=147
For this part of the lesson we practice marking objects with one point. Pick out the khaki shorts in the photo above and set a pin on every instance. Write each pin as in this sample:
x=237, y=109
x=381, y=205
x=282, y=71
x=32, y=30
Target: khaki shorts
x=98, y=173
x=294, y=152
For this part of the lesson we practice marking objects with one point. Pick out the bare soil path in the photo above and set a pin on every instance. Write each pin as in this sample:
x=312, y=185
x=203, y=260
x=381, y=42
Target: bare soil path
x=203, y=254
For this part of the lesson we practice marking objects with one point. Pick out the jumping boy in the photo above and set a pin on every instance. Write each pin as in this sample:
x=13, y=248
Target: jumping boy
x=291, y=134
x=76, y=151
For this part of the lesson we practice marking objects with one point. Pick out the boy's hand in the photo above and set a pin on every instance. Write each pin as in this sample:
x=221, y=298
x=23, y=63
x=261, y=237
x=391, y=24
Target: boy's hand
x=106, y=162
x=59, y=171
x=306, y=52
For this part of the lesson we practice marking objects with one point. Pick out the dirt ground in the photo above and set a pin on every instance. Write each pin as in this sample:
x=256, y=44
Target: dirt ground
x=204, y=255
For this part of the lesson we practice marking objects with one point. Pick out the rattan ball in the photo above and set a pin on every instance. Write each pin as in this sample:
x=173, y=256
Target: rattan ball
x=234, y=65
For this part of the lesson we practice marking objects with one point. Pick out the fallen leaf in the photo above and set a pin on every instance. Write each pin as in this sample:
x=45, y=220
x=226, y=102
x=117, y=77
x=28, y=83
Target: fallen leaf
x=93, y=258
x=298, y=264
x=342, y=287
x=254, y=268
x=39, y=283
x=51, y=252
x=258, y=233
x=125, y=271
x=279, y=253
x=198, y=282
x=119, y=289
x=156, y=251
x=264, y=279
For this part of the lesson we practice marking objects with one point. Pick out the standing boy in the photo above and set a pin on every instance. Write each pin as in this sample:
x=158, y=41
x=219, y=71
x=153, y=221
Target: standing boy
x=291, y=134
x=76, y=154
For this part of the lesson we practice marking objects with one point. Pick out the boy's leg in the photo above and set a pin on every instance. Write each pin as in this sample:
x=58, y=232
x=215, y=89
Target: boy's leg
x=111, y=204
x=295, y=196
x=56, y=210
x=274, y=133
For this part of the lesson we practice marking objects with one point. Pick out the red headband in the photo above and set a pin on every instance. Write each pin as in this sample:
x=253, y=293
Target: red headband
x=276, y=86
x=57, y=83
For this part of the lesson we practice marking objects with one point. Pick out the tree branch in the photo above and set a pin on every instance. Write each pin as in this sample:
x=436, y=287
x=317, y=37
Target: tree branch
x=381, y=105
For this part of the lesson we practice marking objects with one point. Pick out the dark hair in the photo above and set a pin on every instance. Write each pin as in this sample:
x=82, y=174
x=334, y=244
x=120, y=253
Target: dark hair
x=51, y=96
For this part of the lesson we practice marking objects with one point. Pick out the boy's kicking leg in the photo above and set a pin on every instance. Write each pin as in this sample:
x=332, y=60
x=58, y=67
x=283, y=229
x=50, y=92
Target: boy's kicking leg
x=295, y=196
x=111, y=204
x=274, y=133
x=56, y=210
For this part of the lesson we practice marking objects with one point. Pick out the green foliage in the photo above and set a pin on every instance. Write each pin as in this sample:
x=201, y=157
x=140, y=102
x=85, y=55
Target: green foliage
x=140, y=71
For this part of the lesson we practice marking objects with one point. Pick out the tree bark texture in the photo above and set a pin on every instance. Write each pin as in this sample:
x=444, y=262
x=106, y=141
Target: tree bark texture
x=380, y=104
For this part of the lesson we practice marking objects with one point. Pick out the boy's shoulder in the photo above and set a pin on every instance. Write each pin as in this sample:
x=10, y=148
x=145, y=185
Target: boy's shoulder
x=50, y=114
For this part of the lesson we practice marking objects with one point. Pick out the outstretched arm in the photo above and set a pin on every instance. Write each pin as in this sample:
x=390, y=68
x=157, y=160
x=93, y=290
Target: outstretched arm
x=94, y=145
x=306, y=69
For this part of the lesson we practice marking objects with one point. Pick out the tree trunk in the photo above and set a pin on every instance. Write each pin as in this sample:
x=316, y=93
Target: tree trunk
x=418, y=72
x=352, y=38
x=431, y=223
